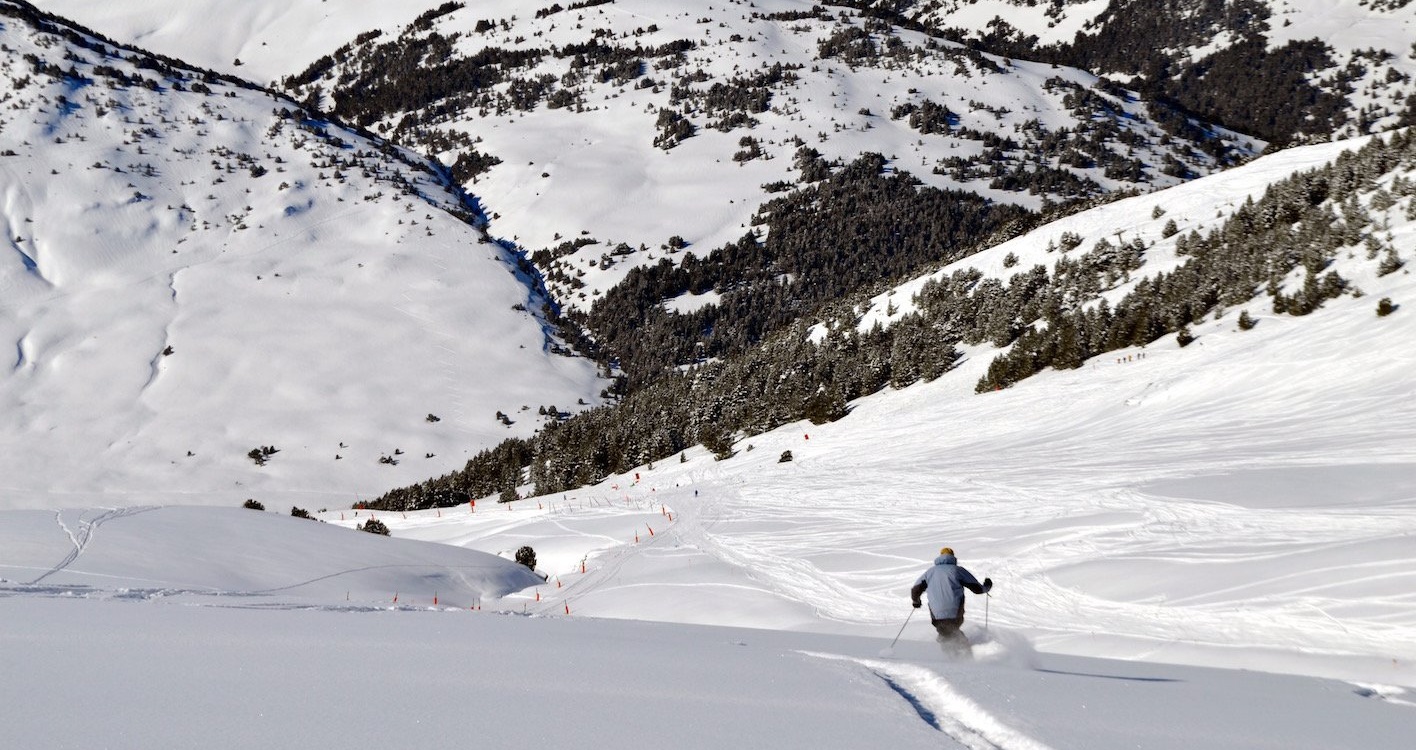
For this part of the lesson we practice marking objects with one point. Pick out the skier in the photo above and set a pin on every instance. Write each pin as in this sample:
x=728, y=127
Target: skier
x=945, y=581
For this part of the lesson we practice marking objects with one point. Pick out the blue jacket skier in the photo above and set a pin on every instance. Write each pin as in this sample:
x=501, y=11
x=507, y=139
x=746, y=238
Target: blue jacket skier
x=945, y=581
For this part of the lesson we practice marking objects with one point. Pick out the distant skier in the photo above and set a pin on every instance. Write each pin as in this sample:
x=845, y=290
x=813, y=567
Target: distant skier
x=945, y=581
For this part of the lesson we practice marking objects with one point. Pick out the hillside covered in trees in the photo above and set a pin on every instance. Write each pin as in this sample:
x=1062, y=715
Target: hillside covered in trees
x=1314, y=235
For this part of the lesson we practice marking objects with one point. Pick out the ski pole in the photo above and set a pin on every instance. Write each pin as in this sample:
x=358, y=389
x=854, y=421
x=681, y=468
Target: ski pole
x=986, y=597
x=902, y=628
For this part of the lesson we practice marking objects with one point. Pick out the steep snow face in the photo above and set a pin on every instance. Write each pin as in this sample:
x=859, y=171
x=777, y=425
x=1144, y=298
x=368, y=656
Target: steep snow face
x=192, y=270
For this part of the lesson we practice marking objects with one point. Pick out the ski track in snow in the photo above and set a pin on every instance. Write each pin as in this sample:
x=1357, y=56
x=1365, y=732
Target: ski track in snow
x=84, y=536
x=944, y=708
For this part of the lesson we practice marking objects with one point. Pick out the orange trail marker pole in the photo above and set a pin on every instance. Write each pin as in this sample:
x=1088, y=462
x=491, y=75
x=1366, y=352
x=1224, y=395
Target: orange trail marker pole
x=567, y=608
x=651, y=529
x=538, y=595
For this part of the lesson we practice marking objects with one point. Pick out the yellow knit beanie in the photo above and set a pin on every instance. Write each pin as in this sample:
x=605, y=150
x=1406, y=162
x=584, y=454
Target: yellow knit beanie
x=947, y=551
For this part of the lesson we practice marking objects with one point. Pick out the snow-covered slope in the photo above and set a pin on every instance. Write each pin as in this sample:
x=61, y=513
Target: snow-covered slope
x=1246, y=500
x=216, y=555
x=193, y=269
x=227, y=628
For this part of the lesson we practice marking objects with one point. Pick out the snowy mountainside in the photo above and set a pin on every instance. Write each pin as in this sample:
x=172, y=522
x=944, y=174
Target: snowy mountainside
x=1292, y=69
x=194, y=269
x=1245, y=499
x=261, y=40
x=1286, y=238
x=1378, y=221
x=600, y=132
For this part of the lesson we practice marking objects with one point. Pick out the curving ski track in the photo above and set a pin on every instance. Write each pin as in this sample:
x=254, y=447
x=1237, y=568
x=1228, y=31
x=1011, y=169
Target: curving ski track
x=84, y=536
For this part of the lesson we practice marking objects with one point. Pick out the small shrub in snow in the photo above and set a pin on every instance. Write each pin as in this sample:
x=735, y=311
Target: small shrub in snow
x=1183, y=337
x=1385, y=307
x=373, y=526
x=253, y=504
x=785, y=458
x=300, y=512
x=526, y=556
x=1246, y=321
x=1391, y=263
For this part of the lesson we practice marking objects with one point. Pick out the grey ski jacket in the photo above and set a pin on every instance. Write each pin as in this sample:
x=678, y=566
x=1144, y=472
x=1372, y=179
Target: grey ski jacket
x=945, y=581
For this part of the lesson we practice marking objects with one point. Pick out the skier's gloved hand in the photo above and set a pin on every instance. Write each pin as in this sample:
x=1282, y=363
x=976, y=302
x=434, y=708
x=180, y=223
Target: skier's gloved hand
x=987, y=585
x=916, y=603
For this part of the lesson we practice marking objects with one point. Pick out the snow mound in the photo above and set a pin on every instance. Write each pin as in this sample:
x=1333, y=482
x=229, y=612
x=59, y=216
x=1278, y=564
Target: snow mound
x=238, y=557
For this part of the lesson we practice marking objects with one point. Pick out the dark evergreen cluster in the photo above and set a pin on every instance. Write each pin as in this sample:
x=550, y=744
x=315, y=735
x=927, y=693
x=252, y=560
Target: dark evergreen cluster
x=1271, y=91
x=374, y=526
x=1050, y=162
x=1298, y=225
x=421, y=78
x=732, y=101
x=926, y=117
x=854, y=229
x=673, y=127
x=787, y=379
